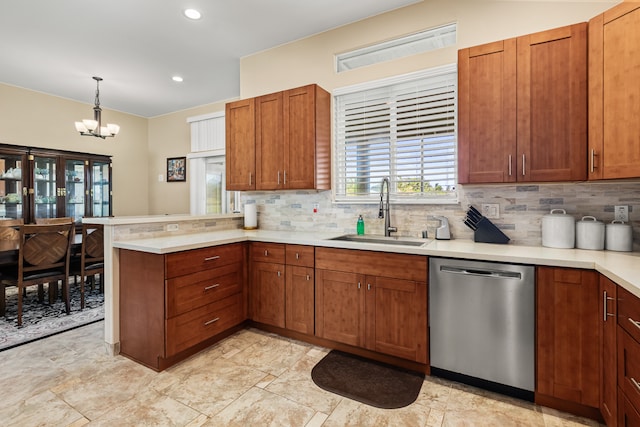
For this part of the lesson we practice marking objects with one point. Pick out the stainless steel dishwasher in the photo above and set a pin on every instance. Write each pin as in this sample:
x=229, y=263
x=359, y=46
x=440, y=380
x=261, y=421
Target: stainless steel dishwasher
x=482, y=324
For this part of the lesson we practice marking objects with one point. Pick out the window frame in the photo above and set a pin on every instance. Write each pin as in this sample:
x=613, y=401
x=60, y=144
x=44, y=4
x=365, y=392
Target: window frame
x=339, y=193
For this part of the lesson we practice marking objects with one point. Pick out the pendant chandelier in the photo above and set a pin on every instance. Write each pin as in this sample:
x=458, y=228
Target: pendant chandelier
x=94, y=127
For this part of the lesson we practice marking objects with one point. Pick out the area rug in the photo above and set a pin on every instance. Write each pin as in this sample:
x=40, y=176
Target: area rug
x=41, y=320
x=367, y=381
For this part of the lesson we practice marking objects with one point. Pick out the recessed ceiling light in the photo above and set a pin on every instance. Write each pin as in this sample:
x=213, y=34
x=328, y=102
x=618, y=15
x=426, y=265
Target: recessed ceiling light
x=192, y=14
x=177, y=78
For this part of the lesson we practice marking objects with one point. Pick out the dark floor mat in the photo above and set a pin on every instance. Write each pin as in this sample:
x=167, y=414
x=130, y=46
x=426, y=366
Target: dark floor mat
x=367, y=381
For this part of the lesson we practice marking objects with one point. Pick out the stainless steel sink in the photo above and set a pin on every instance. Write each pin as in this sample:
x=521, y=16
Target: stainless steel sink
x=393, y=240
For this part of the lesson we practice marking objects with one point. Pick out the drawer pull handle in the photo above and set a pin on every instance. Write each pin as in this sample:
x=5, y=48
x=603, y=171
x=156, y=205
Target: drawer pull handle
x=208, y=322
x=634, y=323
x=635, y=383
x=308, y=278
x=266, y=252
x=212, y=258
x=206, y=288
x=297, y=255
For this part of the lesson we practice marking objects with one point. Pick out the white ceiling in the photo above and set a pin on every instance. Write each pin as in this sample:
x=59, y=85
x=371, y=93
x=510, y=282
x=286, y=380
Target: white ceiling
x=136, y=46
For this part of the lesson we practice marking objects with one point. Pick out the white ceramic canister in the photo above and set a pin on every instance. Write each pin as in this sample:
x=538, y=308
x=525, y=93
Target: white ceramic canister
x=619, y=237
x=590, y=234
x=558, y=230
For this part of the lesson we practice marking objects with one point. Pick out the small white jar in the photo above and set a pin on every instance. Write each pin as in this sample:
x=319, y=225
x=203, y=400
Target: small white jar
x=619, y=237
x=590, y=234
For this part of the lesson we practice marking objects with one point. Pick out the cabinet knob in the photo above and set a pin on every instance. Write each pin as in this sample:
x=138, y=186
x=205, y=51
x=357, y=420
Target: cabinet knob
x=266, y=252
x=297, y=255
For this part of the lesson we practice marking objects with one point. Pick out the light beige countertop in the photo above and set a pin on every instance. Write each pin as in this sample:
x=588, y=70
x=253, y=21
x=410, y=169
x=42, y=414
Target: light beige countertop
x=621, y=267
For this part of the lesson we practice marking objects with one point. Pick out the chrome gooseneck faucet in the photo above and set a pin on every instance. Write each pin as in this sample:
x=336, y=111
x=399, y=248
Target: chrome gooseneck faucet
x=384, y=212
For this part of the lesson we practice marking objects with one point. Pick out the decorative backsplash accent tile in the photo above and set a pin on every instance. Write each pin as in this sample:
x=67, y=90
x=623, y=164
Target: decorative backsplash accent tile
x=521, y=209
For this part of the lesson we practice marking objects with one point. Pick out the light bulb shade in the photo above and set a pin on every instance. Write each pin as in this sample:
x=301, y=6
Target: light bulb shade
x=113, y=129
x=80, y=127
x=90, y=124
x=104, y=131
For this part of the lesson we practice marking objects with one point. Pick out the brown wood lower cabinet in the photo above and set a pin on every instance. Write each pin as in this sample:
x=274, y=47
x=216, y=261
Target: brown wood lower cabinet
x=628, y=358
x=175, y=304
x=568, y=340
x=376, y=301
x=608, y=329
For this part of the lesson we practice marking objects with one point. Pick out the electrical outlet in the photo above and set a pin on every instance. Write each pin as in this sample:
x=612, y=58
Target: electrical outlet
x=491, y=210
x=621, y=213
x=172, y=227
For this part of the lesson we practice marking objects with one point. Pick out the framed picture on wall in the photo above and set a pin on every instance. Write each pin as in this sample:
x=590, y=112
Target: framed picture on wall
x=176, y=169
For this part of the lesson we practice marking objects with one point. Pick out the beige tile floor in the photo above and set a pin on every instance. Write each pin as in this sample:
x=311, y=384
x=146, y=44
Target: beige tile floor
x=250, y=379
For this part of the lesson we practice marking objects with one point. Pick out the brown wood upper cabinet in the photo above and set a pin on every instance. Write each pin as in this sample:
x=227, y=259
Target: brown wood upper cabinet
x=240, y=136
x=523, y=108
x=614, y=93
x=280, y=141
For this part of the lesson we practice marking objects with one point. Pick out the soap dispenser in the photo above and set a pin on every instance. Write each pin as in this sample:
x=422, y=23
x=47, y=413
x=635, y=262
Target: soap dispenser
x=360, y=226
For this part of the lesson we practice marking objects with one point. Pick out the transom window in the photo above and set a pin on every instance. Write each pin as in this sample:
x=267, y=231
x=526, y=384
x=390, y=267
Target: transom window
x=403, y=128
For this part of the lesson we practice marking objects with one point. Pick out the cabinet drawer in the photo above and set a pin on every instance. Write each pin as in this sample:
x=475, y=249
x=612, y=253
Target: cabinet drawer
x=300, y=255
x=186, y=262
x=629, y=312
x=267, y=252
x=383, y=264
x=197, y=325
x=629, y=367
x=194, y=290
x=627, y=415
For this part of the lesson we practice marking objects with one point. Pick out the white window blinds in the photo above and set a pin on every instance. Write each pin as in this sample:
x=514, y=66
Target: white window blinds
x=404, y=129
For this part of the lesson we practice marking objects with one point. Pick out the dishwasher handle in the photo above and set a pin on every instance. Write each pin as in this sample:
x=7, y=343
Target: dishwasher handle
x=480, y=272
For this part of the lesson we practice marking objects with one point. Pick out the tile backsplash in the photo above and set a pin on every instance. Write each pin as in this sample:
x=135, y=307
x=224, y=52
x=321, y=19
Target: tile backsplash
x=521, y=209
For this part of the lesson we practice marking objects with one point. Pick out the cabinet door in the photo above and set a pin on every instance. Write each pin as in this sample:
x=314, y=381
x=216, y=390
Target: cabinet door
x=13, y=200
x=608, y=377
x=340, y=307
x=568, y=335
x=75, y=180
x=552, y=105
x=487, y=113
x=300, y=299
x=45, y=191
x=614, y=93
x=100, y=190
x=240, y=140
x=306, y=138
x=396, y=312
x=269, y=142
x=268, y=293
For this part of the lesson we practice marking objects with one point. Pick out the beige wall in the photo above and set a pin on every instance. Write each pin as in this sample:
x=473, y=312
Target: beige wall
x=170, y=136
x=34, y=119
x=311, y=60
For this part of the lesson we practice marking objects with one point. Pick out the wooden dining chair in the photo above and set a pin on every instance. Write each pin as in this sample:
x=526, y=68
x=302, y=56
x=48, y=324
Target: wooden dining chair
x=61, y=220
x=9, y=237
x=91, y=262
x=43, y=257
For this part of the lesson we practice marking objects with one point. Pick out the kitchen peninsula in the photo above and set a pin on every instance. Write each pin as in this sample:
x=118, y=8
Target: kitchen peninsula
x=149, y=238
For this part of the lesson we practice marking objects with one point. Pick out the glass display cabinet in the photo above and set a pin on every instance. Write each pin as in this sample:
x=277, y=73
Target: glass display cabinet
x=42, y=183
